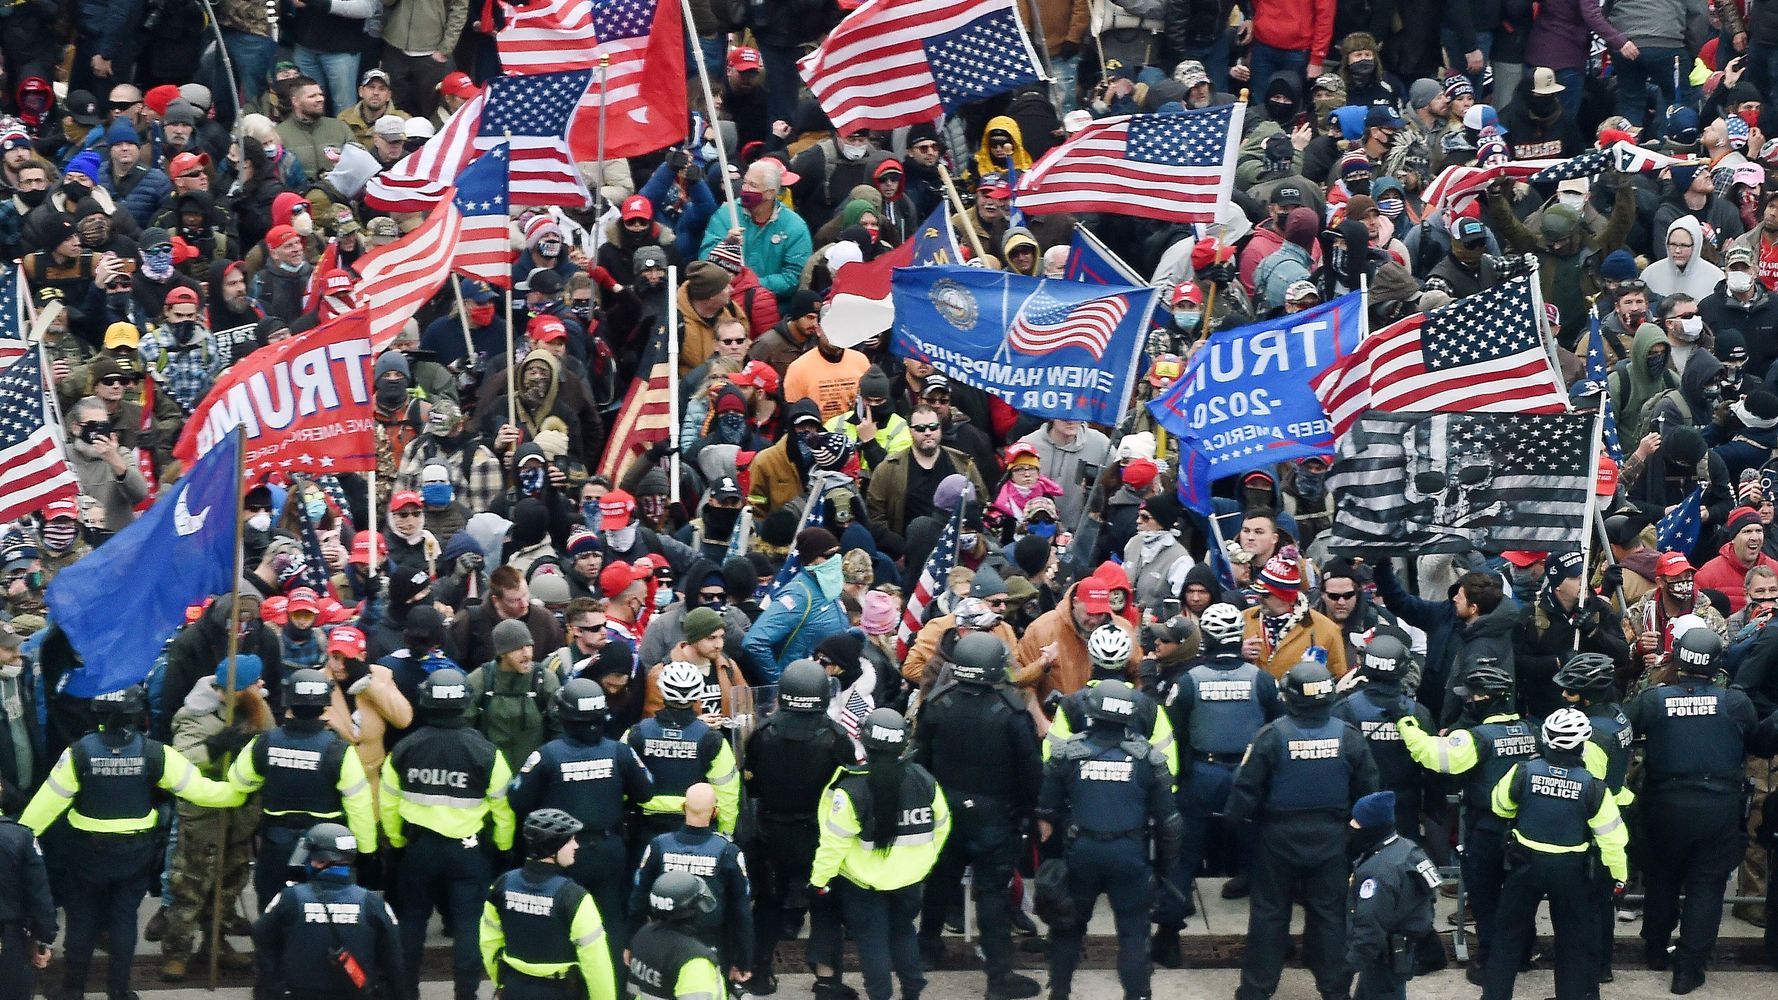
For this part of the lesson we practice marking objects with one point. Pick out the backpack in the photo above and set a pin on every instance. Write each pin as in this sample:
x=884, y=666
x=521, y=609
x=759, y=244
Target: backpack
x=489, y=694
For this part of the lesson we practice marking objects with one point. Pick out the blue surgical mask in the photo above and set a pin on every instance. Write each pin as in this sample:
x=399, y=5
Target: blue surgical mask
x=831, y=575
x=315, y=508
x=1187, y=319
x=437, y=494
x=589, y=514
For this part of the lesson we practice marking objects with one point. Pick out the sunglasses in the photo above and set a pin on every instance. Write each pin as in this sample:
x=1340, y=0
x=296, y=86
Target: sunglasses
x=114, y=380
x=733, y=340
x=923, y=428
x=192, y=174
x=259, y=508
x=708, y=596
x=1347, y=596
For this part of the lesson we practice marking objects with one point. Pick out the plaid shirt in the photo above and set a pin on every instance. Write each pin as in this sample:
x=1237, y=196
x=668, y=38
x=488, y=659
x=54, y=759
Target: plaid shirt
x=186, y=370
x=485, y=484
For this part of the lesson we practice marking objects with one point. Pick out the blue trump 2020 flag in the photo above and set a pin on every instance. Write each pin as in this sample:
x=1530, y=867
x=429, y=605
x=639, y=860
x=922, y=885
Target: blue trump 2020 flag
x=1045, y=346
x=1244, y=402
x=118, y=609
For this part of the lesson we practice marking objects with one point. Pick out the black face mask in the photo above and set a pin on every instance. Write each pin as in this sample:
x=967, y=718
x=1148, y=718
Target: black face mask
x=880, y=414
x=1363, y=71
x=182, y=330
x=390, y=394
x=1362, y=842
x=1359, y=185
x=1543, y=105
x=1281, y=111
x=75, y=191
x=720, y=521
x=31, y=199
x=1655, y=364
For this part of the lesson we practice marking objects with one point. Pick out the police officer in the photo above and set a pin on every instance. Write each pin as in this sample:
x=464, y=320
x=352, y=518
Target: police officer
x=666, y=960
x=1587, y=682
x=541, y=936
x=1491, y=739
x=1102, y=790
x=1372, y=708
x=440, y=786
x=1217, y=707
x=589, y=777
x=1298, y=783
x=1560, y=814
x=1692, y=803
x=27, y=912
x=308, y=775
x=790, y=758
x=1108, y=648
x=105, y=783
x=882, y=828
x=697, y=848
x=328, y=936
x=680, y=749
x=1389, y=902
x=978, y=740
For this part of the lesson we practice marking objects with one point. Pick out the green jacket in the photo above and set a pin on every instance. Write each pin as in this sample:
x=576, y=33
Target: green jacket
x=513, y=710
x=419, y=26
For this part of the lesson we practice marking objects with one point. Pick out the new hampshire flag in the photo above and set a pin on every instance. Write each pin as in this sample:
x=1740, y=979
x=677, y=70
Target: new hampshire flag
x=119, y=610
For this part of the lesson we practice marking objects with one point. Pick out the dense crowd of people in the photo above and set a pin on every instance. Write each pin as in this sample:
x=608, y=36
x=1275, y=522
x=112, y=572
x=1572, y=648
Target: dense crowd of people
x=626, y=733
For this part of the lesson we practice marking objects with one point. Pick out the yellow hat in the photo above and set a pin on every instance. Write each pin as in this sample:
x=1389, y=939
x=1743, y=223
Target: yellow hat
x=122, y=335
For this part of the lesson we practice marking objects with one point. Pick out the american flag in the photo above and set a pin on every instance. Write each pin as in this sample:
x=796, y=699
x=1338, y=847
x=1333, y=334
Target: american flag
x=33, y=468
x=484, y=248
x=901, y=62
x=398, y=279
x=1482, y=353
x=12, y=315
x=330, y=259
x=933, y=578
x=1633, y=159
x=531, y=114
x=1175, y=167
x=1593, y=161
x=1457, y=180
x=1595, y=384
x=644, y=88
x=1681, y=527
x=642, y=419
x=423, y=178
x=1451, y=482
x=547, y=37
x=1045, y=324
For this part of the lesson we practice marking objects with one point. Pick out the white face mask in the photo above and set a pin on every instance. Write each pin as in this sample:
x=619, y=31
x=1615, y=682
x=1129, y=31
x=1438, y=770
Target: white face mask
x=620, y=539
x=260, y=521
x=1739, y=281
x=1151, y=537
x=1573, y=199
x=852, y=152
x=1691, y=328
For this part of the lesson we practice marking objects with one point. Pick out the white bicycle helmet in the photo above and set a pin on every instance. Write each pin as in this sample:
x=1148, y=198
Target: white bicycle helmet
x=681, y=683
x=1567, y=729
x=1223, y=624
x=1109, y=648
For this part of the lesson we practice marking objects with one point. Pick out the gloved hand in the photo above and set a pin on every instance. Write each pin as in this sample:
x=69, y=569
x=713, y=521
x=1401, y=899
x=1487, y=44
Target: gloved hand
x=229, y=741
x=1409, y=721
x=818, y=890
x=1068, y=50
x=602, y=277
x=1611, y=579
x=1221, y=274
x=661, y=449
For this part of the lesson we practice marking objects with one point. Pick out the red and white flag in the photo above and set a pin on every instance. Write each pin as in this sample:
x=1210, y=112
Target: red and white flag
x=1457, y=180
x=484, y=248
x=1481, y=354
x=330, y=259
x=307, y=403
x=934, y=577
x=644, y=83
x=423, y=177
x=396, y=280
x=548, y=36
x=1176, y=167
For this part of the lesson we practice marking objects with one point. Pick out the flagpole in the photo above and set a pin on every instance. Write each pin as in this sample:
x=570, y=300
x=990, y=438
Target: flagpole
x=673, y=377
x=975, y=239
x=463, y=320
x=728, y=191
x=512, y=391
x=599, y=188
x=374, y=527
x=1586, y=535
x=228, y=700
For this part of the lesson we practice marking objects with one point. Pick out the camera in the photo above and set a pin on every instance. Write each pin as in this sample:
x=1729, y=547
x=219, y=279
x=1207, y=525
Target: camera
x=92, y=430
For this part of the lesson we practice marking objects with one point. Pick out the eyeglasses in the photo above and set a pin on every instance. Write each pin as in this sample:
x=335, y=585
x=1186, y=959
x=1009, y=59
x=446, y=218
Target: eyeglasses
x=1680, y=315
x=1349, y=595
x=731, y=340
x=994, y=602
x=1682, y=246
x=587, y=628
x=710, y=596
x=192, y=175
x=923, y=428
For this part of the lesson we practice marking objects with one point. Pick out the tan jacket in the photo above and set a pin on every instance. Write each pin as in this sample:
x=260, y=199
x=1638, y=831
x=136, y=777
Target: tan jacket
x=1024, y=674
x=381, y=707
x=699, y=339
x=728, y=677
x=1072, y=667
x=1315, y=629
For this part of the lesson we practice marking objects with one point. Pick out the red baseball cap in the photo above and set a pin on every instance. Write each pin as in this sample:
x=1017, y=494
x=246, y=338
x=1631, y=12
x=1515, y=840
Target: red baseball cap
x=333, y=612
x=615, y=509
x=304, y=599
x=61, y=508
x=613, y=579
x=637, y=207
x=182, y=295
x=1186, y=291
x=757, y=374
x=280, y=235
x=1140, y=473
x=403, y=499
x=275, y=610
x=1094, y=595
x=543, y=329
x=185, y=163
x=745, y=59
x=347, y=640
x=458, y=84
x=1524, y=560
x=1672, y=564
x=361, y=547
x=336, y=281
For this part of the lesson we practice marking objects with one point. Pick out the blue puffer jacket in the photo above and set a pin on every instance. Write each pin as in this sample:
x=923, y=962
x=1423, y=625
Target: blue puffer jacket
x=147, y=186
x=793, y=623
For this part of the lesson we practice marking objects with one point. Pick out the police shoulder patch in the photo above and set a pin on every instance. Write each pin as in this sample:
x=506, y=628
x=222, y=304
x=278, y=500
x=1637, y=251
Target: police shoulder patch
x=1429, y=872
x=1367, y=888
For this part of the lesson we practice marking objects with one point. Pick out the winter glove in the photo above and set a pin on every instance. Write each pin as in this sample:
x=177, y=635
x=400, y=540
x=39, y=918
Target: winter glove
x=227, y=742
x=602, y=277
x=1611, y=579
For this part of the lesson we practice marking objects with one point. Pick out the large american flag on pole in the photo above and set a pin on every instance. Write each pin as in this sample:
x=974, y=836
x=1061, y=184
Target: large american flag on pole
x=531, y=114
x=12, y=315
x=644, y=81
x=933, y=579
x=547, y=37
x=1482, y=353
x=642, y=419
x=484, y=247
x=33, y=468
x=1176, y=167
x=901, y=62
x=400, y=277
x=1045, y=323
